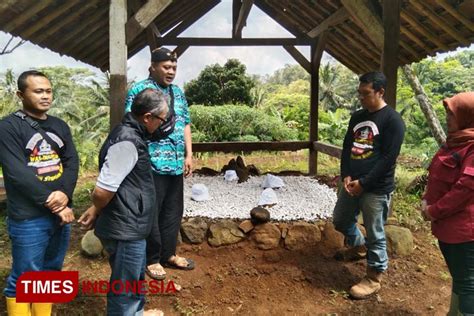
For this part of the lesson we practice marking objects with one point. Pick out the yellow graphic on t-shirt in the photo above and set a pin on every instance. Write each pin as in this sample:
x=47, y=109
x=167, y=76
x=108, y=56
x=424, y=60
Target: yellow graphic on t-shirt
x=46, y=161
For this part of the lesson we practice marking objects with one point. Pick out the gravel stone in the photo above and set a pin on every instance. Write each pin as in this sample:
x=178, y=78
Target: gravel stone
x=302, y=198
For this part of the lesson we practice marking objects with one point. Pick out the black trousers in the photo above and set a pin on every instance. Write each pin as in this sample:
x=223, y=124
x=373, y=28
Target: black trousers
x=161, y=243
x=460, y=261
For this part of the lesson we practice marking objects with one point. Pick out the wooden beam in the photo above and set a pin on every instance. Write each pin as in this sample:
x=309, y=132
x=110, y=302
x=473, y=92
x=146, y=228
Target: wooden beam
x=420, y=27
x=58, y=27
x=26, y=15
x=328, y=149
x=46, y=20
x=81, y=38
x=236, y=5
x=296, y=54
x=436, y=19
x=319, y=49
x=354, y=56
x=389, y=62
x=250, y=146
x=363, y=14
x=192, y=18
x=179, y=50
x=210, y=41
x=363, y=51
x=242, y=17
x=337, y=17
x=140, y=20
x=151, y=31
x=117, y=59
x=457, y=14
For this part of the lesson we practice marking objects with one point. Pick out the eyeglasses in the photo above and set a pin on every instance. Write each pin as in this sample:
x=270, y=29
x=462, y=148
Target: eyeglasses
x=160, y=118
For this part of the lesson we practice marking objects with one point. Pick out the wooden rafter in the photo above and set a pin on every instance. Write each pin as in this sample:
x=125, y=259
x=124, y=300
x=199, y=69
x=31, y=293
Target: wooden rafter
x=46, y=20
x=26, y=15
x=415, y=39
x=457, y=14
x=82, y=30
x=436, y=19
x=280, y=18
x=337, y=17
x=192, y=18
x=143, y=17
x=420, y=28
x=364, y=15
x=341, y=55
x=296, y=54
x=362, y=49
x=319, y=49
x=96, y=30
x=179, y=50
x=357, y=58
x=60, y=25
x=242, y=18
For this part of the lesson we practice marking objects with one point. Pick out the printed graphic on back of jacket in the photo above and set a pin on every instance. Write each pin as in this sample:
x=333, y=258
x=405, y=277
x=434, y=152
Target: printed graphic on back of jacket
x=363, y=145
x=43, y=158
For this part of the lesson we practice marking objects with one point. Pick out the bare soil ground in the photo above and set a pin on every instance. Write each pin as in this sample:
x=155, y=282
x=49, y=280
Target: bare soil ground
x=243, y=280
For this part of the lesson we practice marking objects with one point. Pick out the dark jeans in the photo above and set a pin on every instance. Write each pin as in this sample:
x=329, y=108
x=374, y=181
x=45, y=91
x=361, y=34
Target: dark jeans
x=127, y=262
x=161, y=243
x=460, y=261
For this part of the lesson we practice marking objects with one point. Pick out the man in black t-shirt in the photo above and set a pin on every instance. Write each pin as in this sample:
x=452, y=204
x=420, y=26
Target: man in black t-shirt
x=370, y=150
x=40, y=168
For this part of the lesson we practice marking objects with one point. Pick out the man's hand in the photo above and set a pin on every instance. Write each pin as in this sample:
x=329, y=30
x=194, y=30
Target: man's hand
x=188, y=166
x=66, y=215
x=354, y=188
x=57, y=201
x=347, y=180
x=87, y=220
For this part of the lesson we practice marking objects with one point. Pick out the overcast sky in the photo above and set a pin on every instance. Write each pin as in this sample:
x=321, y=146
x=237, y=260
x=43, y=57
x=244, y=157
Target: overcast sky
x=216, y=23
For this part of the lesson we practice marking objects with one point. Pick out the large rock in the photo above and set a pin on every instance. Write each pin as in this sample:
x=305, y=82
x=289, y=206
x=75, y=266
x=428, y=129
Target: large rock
x=246, y=226
x=399, y=240
x=194, y=230
x=225, y=232
x=302, y=235
x=331, y=237
x=260, y=215
x=266, y=236
x=91, y=245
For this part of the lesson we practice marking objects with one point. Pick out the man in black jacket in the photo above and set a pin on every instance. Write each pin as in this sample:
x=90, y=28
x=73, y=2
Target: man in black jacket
x=40, y=167
x=124, y=197
x=370, y=150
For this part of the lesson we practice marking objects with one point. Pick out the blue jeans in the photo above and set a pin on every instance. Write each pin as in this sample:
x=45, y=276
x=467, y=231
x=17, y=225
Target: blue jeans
x=460, y=261
x=374, y=208
x=127, y=261
x=38, y=244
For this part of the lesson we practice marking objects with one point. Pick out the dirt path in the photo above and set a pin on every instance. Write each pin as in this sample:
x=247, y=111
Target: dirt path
x=243, y=280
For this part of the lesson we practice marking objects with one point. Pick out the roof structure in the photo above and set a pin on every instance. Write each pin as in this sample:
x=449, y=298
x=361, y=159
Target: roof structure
x=80, y=29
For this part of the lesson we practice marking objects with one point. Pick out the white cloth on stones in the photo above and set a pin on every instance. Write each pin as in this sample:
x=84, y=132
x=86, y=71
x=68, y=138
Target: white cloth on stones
x=230, y=175
x=199, y=192
x=273, y=182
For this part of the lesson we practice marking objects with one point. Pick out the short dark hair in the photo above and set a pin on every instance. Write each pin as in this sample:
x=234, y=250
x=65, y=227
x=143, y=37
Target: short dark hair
x=376, y=78
x=22, y=85
x=149, y=101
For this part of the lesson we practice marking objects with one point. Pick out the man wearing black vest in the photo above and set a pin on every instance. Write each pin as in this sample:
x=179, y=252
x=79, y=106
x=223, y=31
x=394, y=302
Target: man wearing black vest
x=124, y=199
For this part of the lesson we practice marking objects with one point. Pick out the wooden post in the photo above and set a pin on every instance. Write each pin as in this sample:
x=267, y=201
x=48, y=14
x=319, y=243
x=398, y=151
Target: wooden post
x=313, y=114
x=117, y=60
x=389, y=62
x=316, y=53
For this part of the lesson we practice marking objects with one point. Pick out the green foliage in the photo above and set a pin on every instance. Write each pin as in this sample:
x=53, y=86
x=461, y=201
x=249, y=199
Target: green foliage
x=287, y=75
x=217, y=85
x=237, y=123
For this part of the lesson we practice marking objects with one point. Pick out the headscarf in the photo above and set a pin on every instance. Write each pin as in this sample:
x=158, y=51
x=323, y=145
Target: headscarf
x=462, y=106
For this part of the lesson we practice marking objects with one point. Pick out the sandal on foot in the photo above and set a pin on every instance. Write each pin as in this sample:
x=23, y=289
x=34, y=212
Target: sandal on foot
x=151, y=271
x=174, y=265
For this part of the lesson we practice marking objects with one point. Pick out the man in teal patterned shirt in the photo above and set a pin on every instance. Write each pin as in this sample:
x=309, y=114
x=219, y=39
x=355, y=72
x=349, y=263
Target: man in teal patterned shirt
x=171, y=157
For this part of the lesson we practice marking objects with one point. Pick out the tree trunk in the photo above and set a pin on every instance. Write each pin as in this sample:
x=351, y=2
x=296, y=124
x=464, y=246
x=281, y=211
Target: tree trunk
x=425, y=104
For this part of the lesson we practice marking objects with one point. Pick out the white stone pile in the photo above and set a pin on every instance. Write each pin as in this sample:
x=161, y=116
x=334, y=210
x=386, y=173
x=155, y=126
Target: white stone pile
x=301, y=198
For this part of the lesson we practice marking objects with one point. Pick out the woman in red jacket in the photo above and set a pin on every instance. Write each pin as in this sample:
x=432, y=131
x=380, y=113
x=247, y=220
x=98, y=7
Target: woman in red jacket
x=449, y=200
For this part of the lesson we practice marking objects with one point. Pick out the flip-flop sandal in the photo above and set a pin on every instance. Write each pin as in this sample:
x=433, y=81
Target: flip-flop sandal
x=172, y=265
x=154, y=275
